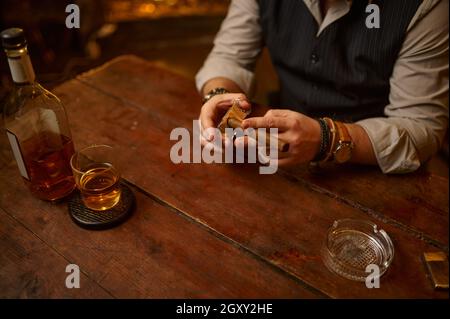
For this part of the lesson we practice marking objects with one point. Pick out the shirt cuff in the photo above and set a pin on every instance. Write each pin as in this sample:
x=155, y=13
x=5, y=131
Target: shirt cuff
x=394, y=149
x=219, y=67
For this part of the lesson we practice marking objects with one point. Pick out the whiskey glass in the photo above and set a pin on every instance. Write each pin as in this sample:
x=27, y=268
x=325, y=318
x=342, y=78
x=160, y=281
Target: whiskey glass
x=97, y=176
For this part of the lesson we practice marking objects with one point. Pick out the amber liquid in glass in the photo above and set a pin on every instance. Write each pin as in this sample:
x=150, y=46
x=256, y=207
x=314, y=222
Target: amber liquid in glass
x=100, y=187
x=47, y=159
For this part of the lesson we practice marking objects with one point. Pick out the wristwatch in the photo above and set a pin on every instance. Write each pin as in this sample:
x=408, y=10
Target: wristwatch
x=216, y=91
x=344, y=148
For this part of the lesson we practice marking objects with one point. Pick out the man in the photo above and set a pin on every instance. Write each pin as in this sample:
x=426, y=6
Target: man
x=389, y=85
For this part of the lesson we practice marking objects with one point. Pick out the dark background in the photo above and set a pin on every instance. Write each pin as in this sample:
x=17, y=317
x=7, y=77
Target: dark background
x=177, y=34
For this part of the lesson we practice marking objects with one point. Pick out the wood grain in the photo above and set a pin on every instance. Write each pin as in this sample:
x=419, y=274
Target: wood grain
x=280, y=219
x=220, y=230
x=29, y=268
x=412, y=200
x=416, y=202
x=158, y=253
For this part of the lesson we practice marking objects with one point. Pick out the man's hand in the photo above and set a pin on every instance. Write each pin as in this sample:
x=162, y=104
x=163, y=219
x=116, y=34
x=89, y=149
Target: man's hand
x=301, y=132
x=213, y=111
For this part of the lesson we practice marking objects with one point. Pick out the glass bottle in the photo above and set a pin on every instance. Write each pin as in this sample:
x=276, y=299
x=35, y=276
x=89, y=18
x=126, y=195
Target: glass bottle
x=36, y=125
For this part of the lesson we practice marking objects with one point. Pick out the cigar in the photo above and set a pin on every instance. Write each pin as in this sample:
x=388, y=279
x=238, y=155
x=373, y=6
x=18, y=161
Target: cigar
x=270, y=139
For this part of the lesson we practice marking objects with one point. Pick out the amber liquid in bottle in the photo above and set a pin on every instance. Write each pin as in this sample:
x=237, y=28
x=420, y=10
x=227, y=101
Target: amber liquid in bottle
x=48, y=167
x=36, y=125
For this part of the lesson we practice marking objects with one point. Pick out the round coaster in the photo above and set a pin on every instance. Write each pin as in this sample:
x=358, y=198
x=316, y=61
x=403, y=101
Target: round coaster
x=91, y=219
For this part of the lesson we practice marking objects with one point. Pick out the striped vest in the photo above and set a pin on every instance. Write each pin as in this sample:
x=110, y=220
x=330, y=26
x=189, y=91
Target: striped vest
x=345, y=71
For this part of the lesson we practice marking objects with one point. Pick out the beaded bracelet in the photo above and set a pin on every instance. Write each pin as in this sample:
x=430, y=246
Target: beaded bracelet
x=324, y=140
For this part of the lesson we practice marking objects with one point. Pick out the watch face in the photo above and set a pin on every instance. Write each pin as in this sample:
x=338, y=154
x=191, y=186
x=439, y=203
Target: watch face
x=343, y=153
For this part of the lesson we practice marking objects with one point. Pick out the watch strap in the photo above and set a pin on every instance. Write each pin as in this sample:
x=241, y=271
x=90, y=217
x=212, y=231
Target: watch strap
x=343, y=151
x=344, y=135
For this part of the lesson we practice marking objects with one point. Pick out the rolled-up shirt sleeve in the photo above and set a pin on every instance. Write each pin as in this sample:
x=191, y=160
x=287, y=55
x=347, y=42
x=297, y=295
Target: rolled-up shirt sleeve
x=236, y=47
x=417, y=115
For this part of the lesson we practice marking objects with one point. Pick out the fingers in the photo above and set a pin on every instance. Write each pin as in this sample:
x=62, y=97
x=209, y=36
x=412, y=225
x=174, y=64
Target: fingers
x=281, y=119
x=218, y=104
x=279, y=113
x=227, y=102
x=281, y=123
x=206, y=123
x=226, y=140
x=245, y=141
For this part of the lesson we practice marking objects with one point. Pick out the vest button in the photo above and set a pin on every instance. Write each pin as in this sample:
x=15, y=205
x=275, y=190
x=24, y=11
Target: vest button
x=314, y=58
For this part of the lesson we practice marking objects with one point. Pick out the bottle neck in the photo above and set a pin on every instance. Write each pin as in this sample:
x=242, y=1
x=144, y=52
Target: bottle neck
x=20, y=65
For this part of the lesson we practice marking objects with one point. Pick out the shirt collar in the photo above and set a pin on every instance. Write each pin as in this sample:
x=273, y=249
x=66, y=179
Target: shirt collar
x=337, y=10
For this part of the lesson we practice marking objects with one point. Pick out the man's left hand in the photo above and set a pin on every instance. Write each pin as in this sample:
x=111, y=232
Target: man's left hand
x=300, y=131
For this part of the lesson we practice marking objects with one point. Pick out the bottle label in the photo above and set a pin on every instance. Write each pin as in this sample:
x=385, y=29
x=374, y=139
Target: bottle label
x=49, y=121
x=18, y=154
x=21, y=69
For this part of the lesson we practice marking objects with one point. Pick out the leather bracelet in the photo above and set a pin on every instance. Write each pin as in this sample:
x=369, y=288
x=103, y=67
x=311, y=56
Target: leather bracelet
x=324, y=140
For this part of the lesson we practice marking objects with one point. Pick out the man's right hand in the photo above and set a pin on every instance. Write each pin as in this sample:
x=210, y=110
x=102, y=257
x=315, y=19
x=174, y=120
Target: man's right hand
x=213, y=111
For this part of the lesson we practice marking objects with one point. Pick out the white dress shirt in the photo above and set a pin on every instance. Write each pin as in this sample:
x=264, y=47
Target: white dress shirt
x=417, y=115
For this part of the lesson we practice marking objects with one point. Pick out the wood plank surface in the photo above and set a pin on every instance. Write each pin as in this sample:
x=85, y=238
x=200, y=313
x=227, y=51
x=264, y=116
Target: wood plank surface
x=29, y=268
x=412, y=199
x=281, y=219
x=158, y=253
x=416, y=202
x=219, y=230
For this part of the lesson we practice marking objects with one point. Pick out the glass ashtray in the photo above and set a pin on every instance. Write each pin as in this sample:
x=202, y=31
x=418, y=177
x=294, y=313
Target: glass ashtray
x=352, y=245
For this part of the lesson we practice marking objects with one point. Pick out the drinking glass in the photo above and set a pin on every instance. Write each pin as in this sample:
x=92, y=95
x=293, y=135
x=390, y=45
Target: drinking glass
x=97, y=176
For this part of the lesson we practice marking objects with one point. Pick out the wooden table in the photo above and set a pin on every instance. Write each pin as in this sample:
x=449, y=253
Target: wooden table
x=216, y=231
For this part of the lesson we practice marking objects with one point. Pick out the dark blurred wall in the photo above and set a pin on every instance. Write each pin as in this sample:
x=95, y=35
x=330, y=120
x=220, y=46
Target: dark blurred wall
x=51, y=44
x=175, y=34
